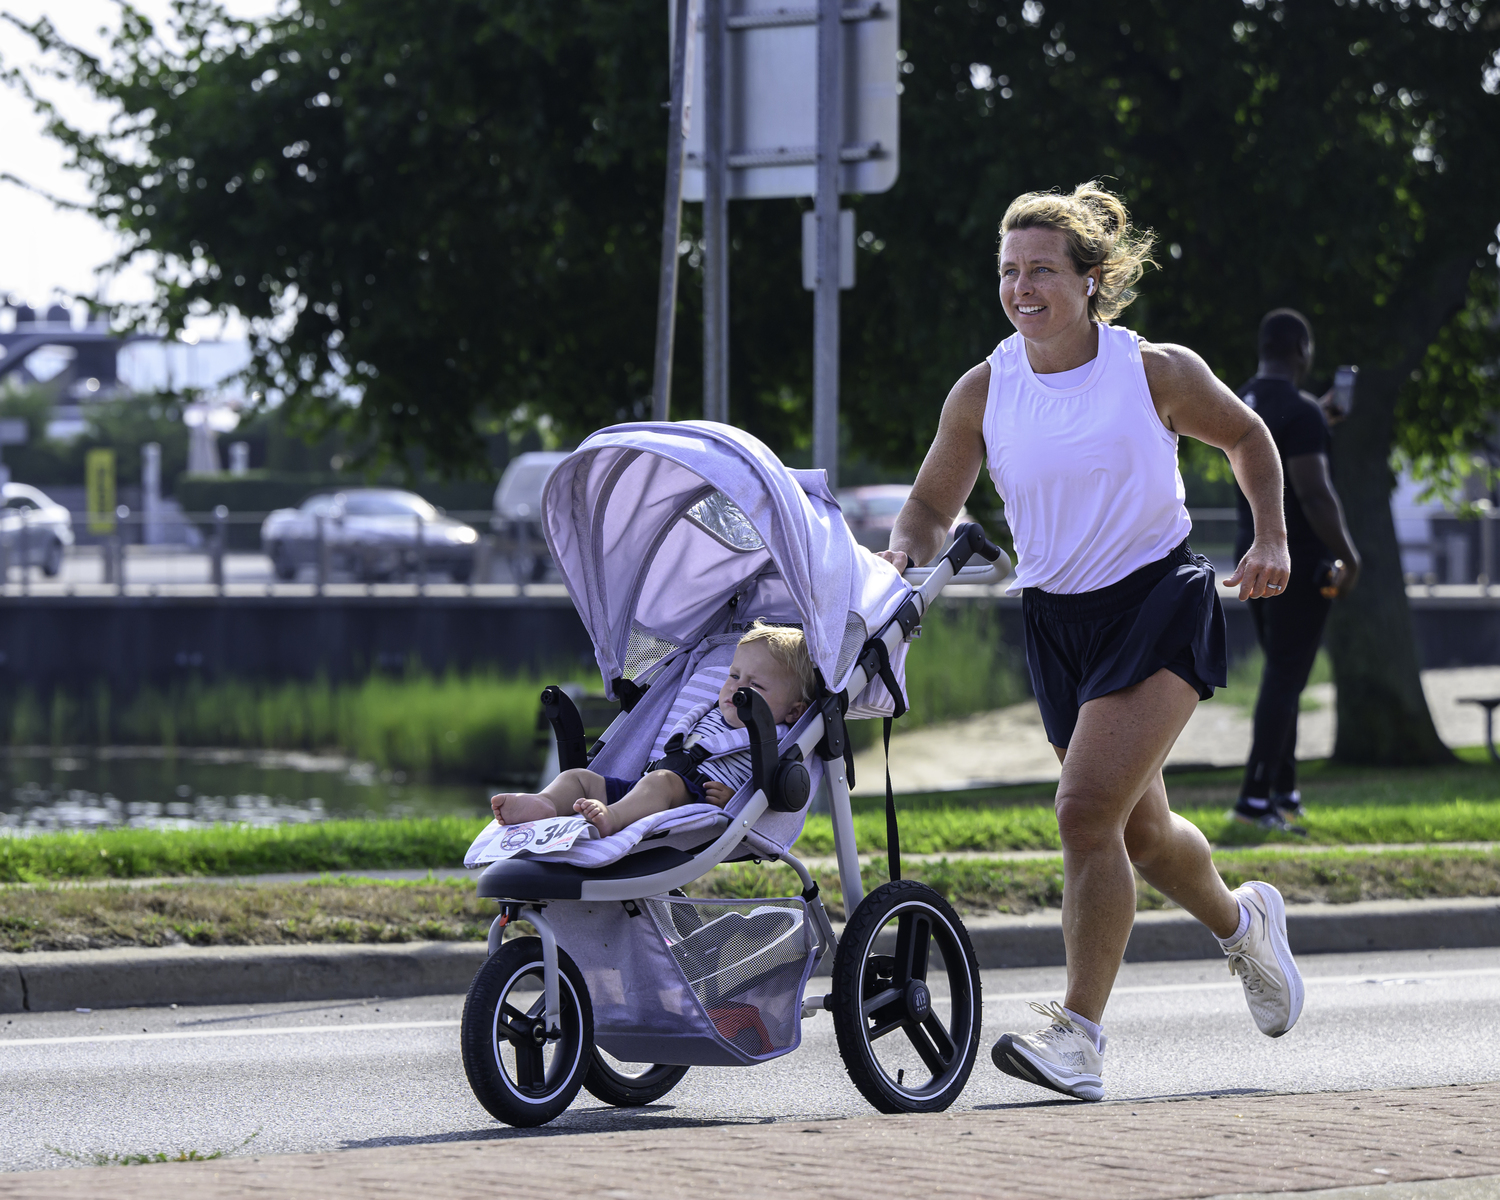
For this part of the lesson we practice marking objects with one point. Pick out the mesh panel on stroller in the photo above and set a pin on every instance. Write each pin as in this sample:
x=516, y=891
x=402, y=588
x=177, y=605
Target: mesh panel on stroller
x=696, y=982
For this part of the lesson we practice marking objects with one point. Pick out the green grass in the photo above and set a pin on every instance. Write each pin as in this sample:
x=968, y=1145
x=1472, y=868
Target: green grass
x=1346, y=807
x=239, y=850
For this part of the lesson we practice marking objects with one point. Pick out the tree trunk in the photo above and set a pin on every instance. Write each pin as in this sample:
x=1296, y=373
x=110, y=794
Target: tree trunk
x=1383, y=717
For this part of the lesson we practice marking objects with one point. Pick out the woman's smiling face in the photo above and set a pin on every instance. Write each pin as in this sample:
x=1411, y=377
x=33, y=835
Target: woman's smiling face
x=1041, y=290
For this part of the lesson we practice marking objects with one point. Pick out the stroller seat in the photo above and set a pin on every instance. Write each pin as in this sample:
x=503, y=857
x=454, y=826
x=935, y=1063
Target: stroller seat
x=663, y=840
x=539, y=879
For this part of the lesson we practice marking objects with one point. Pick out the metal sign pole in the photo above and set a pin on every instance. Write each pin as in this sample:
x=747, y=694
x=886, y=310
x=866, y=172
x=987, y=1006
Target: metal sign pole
x=826, y=209
x=671, y=226
x=715, y=212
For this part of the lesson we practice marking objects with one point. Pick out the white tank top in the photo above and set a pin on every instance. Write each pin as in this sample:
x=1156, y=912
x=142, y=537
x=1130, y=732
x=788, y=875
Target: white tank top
x=1088, y=473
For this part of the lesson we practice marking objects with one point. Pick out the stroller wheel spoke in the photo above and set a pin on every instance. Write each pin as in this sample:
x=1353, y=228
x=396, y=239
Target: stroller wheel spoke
x=913, y=935
x=872, y=1006
x=531, y=1067
x=938, y=1032
x=887, y=1023
x=917, y=1035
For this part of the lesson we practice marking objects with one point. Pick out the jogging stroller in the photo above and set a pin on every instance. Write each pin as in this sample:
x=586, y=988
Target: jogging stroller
x=672, y=539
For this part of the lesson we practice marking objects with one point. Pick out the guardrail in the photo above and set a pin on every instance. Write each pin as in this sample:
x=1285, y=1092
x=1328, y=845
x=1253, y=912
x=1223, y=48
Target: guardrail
x=222, y=552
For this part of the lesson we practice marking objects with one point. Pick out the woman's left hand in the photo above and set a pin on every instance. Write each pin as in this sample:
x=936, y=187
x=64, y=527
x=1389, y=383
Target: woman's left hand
x=1263, y=572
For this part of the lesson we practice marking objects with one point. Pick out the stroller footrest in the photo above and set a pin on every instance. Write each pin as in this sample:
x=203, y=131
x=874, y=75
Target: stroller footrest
x=537, y=879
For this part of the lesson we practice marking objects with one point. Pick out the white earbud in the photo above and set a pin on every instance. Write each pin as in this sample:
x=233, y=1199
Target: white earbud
x=1091, y=285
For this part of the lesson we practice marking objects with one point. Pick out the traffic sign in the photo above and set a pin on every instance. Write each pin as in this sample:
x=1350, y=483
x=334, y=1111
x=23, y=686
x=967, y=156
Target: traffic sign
x=771, y=101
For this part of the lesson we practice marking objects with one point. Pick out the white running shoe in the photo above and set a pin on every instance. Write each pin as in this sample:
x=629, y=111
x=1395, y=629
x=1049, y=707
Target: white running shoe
x=1263, y=961
x=1060, y=1056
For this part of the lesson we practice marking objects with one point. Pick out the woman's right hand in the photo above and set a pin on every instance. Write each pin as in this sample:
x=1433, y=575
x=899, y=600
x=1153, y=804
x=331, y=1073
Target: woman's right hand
x=897, y=559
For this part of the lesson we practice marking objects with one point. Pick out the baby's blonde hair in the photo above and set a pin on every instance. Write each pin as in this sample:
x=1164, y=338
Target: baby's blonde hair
x=789, y=648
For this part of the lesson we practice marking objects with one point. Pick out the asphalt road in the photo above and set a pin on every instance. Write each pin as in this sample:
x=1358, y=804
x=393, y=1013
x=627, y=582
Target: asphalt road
x=320, y=1077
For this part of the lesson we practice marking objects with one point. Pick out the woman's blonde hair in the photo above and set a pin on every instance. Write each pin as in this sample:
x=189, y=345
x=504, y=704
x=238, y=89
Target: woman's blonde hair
x=1099, y=234
x=789, y=648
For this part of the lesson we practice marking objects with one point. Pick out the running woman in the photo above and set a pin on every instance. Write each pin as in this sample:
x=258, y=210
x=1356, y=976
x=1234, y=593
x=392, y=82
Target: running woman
x=1078, y=421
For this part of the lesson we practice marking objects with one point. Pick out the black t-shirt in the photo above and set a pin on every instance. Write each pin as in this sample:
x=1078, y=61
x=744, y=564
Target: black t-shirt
x=1298, y=426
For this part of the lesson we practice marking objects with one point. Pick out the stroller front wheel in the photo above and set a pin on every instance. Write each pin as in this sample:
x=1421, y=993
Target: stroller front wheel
x=608, y=1083
x=906, y=999
x=521, y=1075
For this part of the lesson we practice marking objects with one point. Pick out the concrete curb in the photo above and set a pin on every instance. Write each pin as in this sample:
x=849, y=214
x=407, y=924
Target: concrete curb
x=53, y=981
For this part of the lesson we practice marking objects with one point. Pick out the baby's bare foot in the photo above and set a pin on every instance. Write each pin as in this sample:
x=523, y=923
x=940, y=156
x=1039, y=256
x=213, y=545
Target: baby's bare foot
x=516, y=808
x=597, y=815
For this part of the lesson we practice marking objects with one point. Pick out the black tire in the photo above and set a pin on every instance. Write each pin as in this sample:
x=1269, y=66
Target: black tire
x=283, y=563
x=615, y=1087
x=461, y=572
x=505, y=1063
x=52, y=560
x=876, y=995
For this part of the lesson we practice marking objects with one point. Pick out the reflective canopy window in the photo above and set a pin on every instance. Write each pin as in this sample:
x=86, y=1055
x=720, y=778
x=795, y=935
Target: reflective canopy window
x=721, y=518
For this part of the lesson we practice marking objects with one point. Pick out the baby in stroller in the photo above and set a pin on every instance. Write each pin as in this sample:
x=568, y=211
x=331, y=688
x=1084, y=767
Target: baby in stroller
x=706, y=763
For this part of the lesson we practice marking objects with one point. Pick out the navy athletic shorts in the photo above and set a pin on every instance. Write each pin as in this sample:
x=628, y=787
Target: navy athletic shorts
x=1086, y=645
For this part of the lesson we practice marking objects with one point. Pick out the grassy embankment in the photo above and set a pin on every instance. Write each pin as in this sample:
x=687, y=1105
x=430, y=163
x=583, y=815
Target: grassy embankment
x=350, y=910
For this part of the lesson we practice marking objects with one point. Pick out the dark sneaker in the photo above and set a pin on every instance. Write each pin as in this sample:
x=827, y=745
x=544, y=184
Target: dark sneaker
x=1265, y=818
x=1289, y=805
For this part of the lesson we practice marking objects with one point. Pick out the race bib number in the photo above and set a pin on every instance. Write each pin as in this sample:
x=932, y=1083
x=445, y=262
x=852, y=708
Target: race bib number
x=541, y=837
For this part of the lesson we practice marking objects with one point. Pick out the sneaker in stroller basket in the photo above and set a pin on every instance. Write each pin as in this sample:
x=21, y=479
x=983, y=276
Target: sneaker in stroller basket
x=672, y=539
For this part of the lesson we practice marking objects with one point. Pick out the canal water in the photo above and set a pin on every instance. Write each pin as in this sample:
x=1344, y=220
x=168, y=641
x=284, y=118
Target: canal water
x=152, y=788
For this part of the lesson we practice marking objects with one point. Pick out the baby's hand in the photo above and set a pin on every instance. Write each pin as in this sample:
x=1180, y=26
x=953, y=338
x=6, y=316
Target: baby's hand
x=717, y=793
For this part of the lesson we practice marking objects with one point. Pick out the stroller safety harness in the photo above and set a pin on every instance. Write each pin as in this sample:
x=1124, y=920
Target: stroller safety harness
x=672, y=540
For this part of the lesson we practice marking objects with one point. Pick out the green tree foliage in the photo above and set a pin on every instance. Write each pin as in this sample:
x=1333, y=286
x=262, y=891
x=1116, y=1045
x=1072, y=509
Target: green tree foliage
x=442, y=208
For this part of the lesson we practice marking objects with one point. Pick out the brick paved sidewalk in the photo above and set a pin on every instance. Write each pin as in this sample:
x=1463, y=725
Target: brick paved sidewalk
x=1159, y=1150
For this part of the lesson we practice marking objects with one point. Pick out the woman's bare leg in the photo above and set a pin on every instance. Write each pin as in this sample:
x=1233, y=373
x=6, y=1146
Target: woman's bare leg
x=1174, y=857
x=1112, y=762
x=656, y=792
x=555, y=800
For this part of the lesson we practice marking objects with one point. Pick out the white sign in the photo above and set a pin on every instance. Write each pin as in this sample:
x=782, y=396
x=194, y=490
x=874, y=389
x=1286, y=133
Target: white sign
x=548, y=836
x=772, y=93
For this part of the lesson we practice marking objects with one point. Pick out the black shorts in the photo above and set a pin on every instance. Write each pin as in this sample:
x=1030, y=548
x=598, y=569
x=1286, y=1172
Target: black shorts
x=615, y=790
x=1086, y=645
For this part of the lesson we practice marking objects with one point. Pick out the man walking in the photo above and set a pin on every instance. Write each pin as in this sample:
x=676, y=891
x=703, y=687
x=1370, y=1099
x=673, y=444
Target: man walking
x=1325, y=565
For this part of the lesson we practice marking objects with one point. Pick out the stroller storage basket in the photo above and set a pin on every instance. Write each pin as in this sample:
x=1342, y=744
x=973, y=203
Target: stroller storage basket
x=693, y=982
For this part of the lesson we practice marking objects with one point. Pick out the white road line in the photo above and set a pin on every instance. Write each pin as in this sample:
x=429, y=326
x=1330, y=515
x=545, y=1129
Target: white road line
x=199, y=1034
x=992, y=997
x=1234, y=984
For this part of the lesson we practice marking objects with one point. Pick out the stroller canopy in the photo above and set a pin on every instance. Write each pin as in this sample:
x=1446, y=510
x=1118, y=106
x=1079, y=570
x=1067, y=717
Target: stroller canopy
x=656, y=527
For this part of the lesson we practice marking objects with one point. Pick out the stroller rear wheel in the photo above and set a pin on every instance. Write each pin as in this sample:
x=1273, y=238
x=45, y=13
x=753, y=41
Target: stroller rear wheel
x=905, y=999
x=606, y=1081
x=520, y=1075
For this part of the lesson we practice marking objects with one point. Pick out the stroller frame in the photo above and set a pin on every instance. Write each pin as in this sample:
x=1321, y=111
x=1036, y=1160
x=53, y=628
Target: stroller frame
x=874, y=990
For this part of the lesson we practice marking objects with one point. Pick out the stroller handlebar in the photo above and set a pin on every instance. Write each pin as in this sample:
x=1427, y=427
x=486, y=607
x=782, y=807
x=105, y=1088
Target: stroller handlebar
x=968, y=542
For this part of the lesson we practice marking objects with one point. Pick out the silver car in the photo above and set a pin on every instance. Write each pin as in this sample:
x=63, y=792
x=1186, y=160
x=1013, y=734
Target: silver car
x=518, y=513
x=35, y=530
x=372, y=533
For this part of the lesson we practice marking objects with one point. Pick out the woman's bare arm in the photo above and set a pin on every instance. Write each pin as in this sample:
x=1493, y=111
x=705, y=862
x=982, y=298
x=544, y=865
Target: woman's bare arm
x=1190, y=400
x=947, y=476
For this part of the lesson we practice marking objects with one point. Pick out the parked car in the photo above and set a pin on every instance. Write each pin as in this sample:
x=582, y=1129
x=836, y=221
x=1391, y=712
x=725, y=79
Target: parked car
x=35, y=530
x=871, y=512
x=370, y=532
x=518, y=513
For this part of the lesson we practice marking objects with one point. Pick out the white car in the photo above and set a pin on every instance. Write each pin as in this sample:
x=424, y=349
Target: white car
x=35, y=530
x=370, y=532
x=518, y=512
